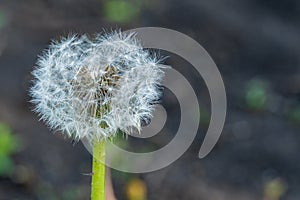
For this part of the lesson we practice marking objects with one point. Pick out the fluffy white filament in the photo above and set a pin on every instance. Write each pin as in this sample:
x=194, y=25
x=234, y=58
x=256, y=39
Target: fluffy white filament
x=94, y=88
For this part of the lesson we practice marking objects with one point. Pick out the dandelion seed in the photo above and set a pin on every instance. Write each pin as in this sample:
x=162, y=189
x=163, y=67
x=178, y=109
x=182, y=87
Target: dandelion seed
x=94, y=88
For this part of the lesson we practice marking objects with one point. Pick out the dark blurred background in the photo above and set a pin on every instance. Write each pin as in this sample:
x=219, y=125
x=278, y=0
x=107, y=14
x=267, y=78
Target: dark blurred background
x=256, y=46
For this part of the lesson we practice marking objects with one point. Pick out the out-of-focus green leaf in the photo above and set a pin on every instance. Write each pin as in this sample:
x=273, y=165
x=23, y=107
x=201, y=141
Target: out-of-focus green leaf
x=8, y=142
x=6, y=165
x=2, y=19
x=121, y=11
x=294, y=114
x=256, y=95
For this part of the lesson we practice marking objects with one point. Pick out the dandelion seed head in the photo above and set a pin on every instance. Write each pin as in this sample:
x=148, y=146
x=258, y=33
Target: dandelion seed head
x=93, y=88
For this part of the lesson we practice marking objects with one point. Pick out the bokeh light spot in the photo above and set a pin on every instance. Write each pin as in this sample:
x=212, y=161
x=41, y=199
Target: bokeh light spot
x=120, y=11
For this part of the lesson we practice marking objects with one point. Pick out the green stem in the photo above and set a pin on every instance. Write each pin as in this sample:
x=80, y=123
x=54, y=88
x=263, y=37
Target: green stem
x=98, y=178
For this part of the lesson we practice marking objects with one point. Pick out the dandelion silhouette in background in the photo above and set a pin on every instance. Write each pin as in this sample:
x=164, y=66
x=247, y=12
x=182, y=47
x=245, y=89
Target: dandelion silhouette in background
x=92, y=89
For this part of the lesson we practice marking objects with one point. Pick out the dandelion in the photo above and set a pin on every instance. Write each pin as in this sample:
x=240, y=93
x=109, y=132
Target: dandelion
x=94, y=88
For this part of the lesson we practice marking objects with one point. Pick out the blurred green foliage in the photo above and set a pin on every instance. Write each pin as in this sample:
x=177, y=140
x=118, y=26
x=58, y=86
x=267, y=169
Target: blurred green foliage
x=256, y=95
x=6, y=165
x=121, y=11
x=294, y=114
x=2, y=19
x=9, y=144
